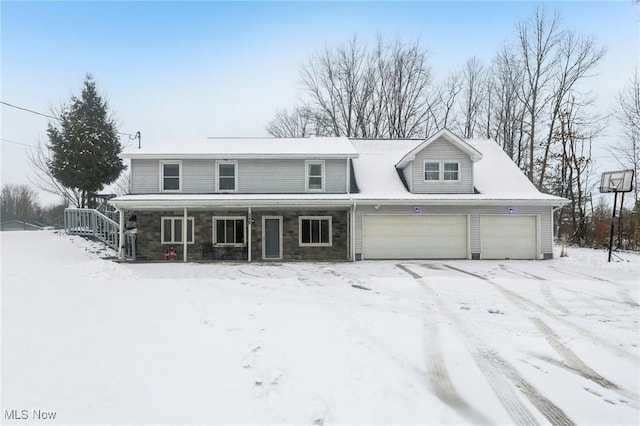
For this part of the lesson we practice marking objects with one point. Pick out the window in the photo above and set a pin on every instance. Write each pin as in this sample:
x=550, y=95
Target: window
x=229, y=231
x=227, y=176
x=172, y=230
x=451, y=171
x=314, y=175
x=170, y=173
x=315, y=230
x=431, y=170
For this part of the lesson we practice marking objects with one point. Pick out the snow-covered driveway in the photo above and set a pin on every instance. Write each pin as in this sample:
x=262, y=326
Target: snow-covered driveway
x=422, y=342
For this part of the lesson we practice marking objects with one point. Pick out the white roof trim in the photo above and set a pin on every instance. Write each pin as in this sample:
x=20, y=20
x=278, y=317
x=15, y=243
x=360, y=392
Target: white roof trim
x=447, y=134
x=159, y=201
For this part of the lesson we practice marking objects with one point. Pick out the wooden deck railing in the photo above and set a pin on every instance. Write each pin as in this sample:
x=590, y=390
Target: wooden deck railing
x=90, y=222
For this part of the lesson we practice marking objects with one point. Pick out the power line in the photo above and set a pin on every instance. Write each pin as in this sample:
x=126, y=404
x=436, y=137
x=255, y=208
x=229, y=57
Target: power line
x=57, y=118
x=17, y=143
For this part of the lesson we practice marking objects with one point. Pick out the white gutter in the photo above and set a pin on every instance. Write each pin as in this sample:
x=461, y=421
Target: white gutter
x=250, y=219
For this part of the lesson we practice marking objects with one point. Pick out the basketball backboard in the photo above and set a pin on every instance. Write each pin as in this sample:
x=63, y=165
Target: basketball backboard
x=618, y=181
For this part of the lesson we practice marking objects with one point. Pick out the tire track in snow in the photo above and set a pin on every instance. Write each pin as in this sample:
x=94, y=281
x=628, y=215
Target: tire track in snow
x=488, y=362
x=544, y=287
x=576, y=364
x=525, y=303
x=622, y=291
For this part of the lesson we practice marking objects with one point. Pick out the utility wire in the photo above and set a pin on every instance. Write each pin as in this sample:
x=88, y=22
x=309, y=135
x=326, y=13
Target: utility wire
x=17, y=143
x=55, y=118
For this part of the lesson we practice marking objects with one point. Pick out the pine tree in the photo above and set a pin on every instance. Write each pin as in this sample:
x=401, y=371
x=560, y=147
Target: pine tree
x=85, y=146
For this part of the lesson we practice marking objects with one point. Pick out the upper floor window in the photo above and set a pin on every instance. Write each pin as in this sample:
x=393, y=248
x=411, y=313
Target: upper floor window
x=315, y=230
x=451, y=171
x=431, y=170
x=441, y=171
x=227, y=176
x=170, y=175
x=314, y=175
x=172, y=230
x=229, y=231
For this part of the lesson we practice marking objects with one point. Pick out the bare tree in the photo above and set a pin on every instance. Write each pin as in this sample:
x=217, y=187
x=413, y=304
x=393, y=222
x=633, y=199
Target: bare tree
x=578, y=56
x=474, y=84
x=352, y=90
x=39, y=157
x=537, y=41
x=627, y=113
x=300, y=123
x=19, y=202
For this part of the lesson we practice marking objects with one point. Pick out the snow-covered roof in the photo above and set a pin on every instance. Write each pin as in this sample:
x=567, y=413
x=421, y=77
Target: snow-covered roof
x=495, y=175
x=447, y=134
x=497, y=179
x=330, y=147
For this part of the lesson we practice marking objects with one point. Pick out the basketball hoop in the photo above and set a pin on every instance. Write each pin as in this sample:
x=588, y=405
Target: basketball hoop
x=618, y=181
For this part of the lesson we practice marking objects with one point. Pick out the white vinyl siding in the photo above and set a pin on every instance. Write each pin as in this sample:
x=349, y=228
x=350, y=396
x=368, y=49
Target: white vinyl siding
x=253, y=176
x=443, y=152
x=144, y=176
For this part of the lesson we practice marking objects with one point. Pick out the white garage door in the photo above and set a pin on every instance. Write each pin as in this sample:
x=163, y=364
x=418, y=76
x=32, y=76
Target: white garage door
x=508, y=237
x=414, y=237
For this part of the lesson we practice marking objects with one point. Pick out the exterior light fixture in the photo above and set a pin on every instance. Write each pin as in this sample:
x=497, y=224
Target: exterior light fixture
x=512, y=210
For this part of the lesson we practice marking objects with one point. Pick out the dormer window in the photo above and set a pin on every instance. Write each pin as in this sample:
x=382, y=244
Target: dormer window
x=432, y=171
x=451, y=171
x=314, y=175
x=170, y=174
x=441, y=171
x=227, y=176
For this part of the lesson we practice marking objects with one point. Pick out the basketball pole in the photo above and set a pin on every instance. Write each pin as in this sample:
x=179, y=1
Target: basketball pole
x=613, y=219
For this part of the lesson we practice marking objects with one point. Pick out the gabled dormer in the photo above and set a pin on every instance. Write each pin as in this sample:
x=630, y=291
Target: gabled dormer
x=442, y=164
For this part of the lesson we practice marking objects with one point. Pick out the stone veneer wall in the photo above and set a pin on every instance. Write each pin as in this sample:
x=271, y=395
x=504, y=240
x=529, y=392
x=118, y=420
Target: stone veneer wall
x=291, y=250
x=149, y=247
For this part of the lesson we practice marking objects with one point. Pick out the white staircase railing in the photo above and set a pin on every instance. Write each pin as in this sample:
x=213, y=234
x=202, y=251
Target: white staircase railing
x=90, y=222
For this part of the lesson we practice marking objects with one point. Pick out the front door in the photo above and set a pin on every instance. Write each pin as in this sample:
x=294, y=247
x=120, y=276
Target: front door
x=272, y=237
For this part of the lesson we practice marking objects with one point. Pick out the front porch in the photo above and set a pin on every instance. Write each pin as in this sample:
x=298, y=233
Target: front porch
x=247, y=234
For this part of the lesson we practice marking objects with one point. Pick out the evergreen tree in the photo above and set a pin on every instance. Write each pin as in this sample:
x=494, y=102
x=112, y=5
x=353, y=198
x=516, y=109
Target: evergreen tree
x=85, y=146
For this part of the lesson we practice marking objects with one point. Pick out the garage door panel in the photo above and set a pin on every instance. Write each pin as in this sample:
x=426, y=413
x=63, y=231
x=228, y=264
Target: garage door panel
x=415, y=237
x=508, y=237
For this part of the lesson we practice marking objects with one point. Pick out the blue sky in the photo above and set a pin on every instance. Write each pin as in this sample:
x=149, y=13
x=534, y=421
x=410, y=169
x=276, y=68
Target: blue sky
x=196, y=69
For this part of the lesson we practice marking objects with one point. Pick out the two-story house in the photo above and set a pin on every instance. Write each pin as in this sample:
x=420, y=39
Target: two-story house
x=335, y=199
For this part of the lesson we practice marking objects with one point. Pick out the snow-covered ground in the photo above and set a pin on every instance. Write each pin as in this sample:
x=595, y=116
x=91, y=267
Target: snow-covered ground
x=422, y=342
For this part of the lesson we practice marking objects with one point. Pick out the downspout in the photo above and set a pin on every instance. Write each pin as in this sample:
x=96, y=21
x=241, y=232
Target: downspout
x=250, y=219
x=185, y=237
x=353, y=232
x=121, y=235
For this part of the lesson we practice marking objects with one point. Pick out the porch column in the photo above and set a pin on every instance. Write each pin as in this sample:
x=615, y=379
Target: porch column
x=185, y=237
x=353, y=232
x=121, y=242
x=249, y=218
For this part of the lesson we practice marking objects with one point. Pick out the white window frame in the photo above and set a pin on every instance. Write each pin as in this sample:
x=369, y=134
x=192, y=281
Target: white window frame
x=215, y=231
x=173, y=220
x=441, y=176
x=319, y=218
x=307, y=164
x=424, y=171
x=457, y=163
x=162, y=164
x=235, y=175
